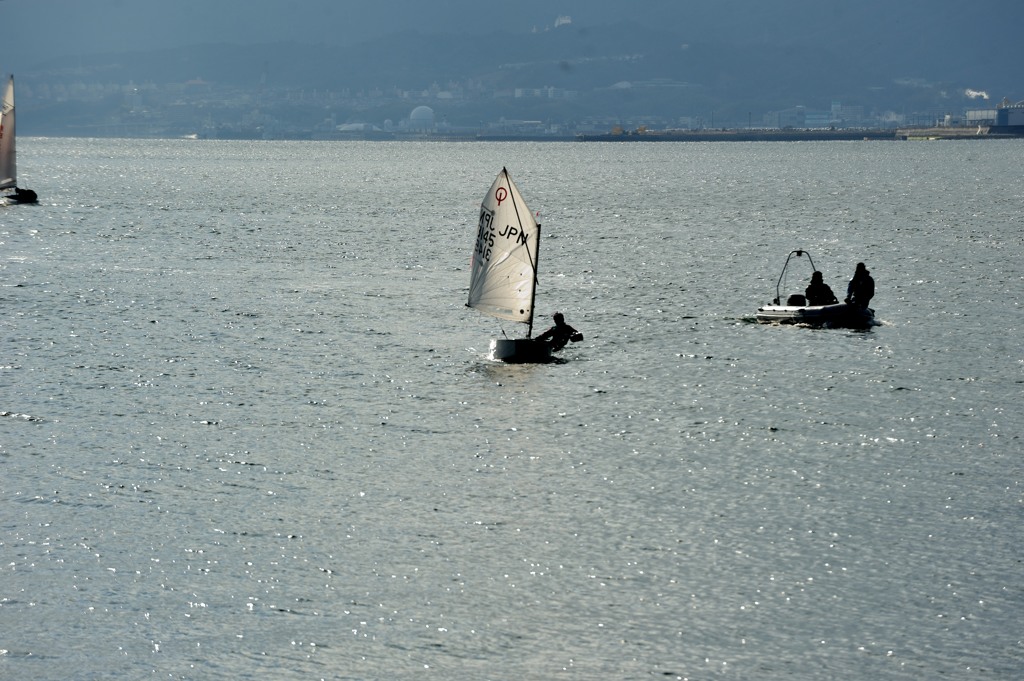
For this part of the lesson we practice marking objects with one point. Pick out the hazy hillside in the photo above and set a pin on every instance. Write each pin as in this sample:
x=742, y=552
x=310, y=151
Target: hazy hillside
x=624, y=69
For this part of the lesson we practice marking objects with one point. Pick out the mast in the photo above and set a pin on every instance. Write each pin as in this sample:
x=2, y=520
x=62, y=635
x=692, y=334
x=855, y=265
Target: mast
x=535, y=259
x=533, y=290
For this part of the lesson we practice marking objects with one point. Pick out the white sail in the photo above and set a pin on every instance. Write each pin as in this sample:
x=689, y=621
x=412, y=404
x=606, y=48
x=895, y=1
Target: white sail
x=8, y=165
x=504, y=269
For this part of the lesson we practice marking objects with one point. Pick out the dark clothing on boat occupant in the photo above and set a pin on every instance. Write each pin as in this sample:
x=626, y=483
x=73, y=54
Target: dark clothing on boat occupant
x=560, y=334
x=862, y=287
x=818, y=292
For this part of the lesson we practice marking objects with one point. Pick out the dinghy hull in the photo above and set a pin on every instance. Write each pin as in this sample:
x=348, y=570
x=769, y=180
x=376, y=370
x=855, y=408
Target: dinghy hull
x=520, y=350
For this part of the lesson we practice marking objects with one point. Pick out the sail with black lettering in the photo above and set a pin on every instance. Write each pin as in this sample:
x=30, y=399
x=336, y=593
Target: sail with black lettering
x=503, y=283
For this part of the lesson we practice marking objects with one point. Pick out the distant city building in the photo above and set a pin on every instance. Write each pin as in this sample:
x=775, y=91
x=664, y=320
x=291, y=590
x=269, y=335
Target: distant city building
x=422, y=119
x=980, y=116
x=357, y=127
x=1010, y=115
x=795, y=117
x=543, y=93
x=818, y=119
x=846, y=115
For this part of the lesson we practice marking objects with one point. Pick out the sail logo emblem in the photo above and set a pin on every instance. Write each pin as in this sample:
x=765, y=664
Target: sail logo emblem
x=501, y=194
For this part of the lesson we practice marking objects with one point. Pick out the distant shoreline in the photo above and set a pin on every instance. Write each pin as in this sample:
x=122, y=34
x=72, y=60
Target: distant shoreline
x=802, y=135
x=717, y=135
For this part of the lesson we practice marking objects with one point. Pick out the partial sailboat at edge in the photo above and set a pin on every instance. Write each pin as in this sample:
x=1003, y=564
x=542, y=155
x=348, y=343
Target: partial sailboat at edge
x=9, y=190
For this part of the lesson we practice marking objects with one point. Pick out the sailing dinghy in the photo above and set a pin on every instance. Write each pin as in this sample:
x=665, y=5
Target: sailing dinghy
x=503, y=282
x=9, y=190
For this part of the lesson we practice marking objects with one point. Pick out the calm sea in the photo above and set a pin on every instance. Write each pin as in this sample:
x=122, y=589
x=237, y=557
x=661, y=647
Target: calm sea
x=249, y=430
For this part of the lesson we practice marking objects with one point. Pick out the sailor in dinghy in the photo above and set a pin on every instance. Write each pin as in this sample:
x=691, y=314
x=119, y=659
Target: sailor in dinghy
x=560, y=334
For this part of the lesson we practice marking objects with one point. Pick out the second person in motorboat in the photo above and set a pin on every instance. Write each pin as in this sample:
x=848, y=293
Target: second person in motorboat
x=818, y=292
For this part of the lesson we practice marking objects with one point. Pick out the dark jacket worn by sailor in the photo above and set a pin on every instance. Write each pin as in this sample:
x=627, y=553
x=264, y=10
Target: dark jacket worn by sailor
x=560, y=334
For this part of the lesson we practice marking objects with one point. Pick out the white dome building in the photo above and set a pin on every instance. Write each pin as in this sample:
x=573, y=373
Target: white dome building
x=422, y=119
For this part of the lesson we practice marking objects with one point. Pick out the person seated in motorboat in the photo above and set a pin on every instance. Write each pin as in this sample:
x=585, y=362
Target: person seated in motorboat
x=560, y=334
x=861, y=289
x=818, y=292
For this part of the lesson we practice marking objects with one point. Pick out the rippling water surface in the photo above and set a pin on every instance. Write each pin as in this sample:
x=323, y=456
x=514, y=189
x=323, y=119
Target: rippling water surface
x=248, y=429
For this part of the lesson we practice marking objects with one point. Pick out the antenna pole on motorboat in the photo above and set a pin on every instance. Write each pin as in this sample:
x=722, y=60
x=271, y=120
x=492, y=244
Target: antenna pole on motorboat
x=778, y=284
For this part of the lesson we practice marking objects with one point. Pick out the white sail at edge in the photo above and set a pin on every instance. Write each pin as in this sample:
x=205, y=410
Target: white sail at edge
x=8, y=163
x=504, y=266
